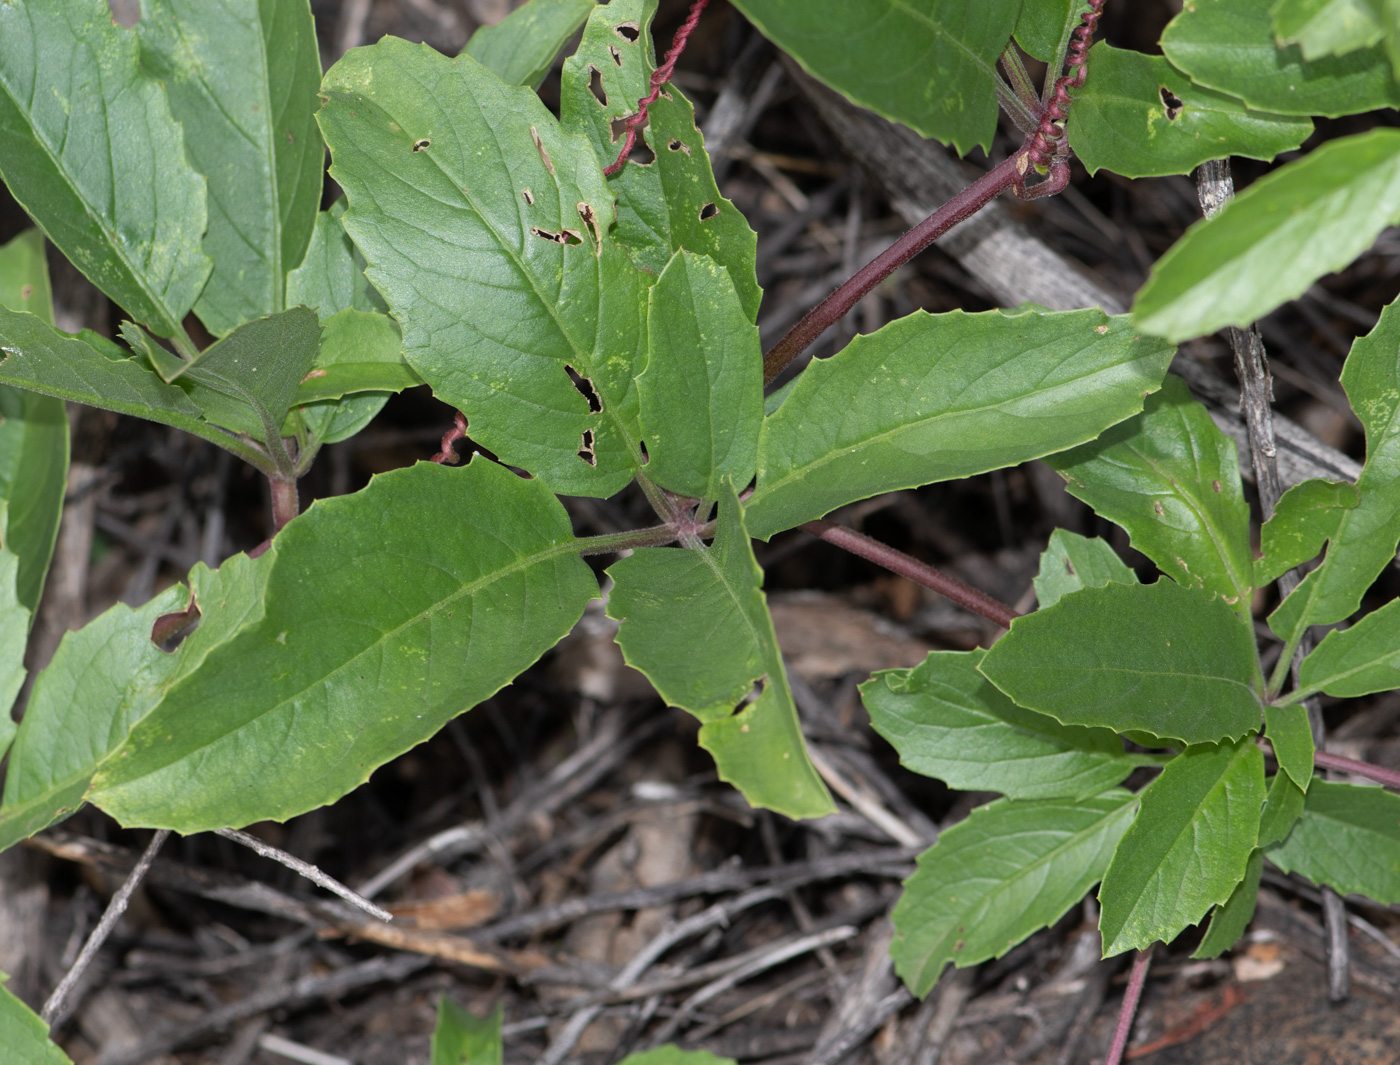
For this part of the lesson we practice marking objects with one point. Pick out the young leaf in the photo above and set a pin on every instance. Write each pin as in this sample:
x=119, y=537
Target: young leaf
x=1229, y=45
x=1187, y=850
x=1327, y=27
x=522, y=47
x=495, y=261
x=1306, y=517
x=931, y=65
x=24, y=1035
x=242, y=79
x=1364, y=539
x=1267, y=245
x=1171, y=478
x=1348, y=838
x=33, y=435
x=1356, y=661
x=1044, y=26
x=1008, y=870
x=462, y=1038
x=1230, y=920
x=1291, y=735
x=98, y=161
x=1071, y=562
x=672, y=202
x=361, y=351
x=331, y=277
x=725, y=647
x=702, y=392
x=448, y=583
x=1138, y=116
x=947, y=721
x=106, y=677
x=1282, y=808
x=933, y=397
x=1156, y=658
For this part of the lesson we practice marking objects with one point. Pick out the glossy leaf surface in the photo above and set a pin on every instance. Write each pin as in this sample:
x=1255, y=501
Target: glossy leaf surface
x=716, y=658
x=462, y=1038
x=1267, y=245
x=930, y=64
x=1156, y=658
x=24, y=1035
x=1348, y=838
x=450, y=582
x=672, y=202
x=1009, y=869
x=1229, y=45
x=241, y=77
x=933, y=397
x=1327, y=27
x=484, y=227
x=522, y=47
x=1188, y=849
x=1364, y=539
x=1171, y=478
x=1071, y=562
x=702, y=391
x=1307, y=516
x=99, y=161
x=946, y=720
x=1229, y=921
x=1138, y=116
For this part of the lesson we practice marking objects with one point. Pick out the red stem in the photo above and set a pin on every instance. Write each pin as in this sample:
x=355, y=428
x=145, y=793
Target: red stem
x=285, y=502
x=919, y=572
x=1137, y=978
x=457, y=432
x=1389, y=777
x=659, y=77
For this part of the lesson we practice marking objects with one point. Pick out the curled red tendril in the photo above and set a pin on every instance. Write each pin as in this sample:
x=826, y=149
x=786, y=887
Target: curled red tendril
x=457, y=432
x=1045, y=148
x=659, y=77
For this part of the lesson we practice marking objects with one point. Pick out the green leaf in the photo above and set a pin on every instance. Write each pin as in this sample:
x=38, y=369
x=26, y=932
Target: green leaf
x=1171, y=478
x=1229, y=921
x=1356, y=661
x=1008, y=870
x=702, y=391
x=1390, y=20
x=1306, y=517
x=1348, y=838
x=935, y=397
x=15, y=619
x=1290, y=733
x=1071, y=562
x=714, y=659
x=462, y=242
x=242, y=78
x=947, y=721
x=24, y=1035
x=360, y=363
x=1156, y=658
x=673, y=1055
x=33, y=435
x=462, y=1038
x=522, y=47
x=930, y=65
x=106, y=677
x=331, y=278
x=673, y=202
x=89, y=148
x=1229, y=45
x=448, y=583
x=1327, y=27
x=1188, y=849
x=1364, y=540
x=1138, y=116
x=1044, y=26
x=1282, y=808
x=1272, y=241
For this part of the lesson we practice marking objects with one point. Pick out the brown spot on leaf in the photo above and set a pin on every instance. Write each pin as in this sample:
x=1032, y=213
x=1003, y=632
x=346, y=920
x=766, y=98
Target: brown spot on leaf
x=628, y=31
x=708, y=211
x=26, y=292
x=590, y=219
x=586, y=451
x=528, y=197
x=539, y=147
x=616, y=55
x=1069, y=568
x=564, y=236
x=419, y=145
x=318, y=372
x=585, y=389
x=678, y=145
x=1171, y=102
x=1157, y=506
x=1215, y=485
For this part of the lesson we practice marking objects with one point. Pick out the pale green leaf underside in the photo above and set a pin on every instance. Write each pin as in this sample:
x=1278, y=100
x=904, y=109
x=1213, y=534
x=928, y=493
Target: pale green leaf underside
x=521, y=48
x=934, y=397
x=89, y=147
x=1348, y=838
x=449, y=582
x=927, y=63
x=1328, y=27
x=1008, y=870
x=1188, y=848
x=947, y=721
x=1071, y=562
x=1266, y=246
x=1156, y=658
x=331, y=277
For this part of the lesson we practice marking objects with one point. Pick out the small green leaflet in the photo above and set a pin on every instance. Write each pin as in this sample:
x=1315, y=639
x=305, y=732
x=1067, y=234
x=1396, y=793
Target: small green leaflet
x=1290, y=733
x=1156, y=658
x=462, y=1038
x=1356, y=661
x=947, y=721
x=15, y=619
x=1348, y=838
x=1282, y=808
x=1189, y=847
x=331, y=278
x=1230, y=920
x=522, y=47
x=24, y=1035
x=1071, y=562
x=1306, y=517
x=1010, y=869
x=1044, y=26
